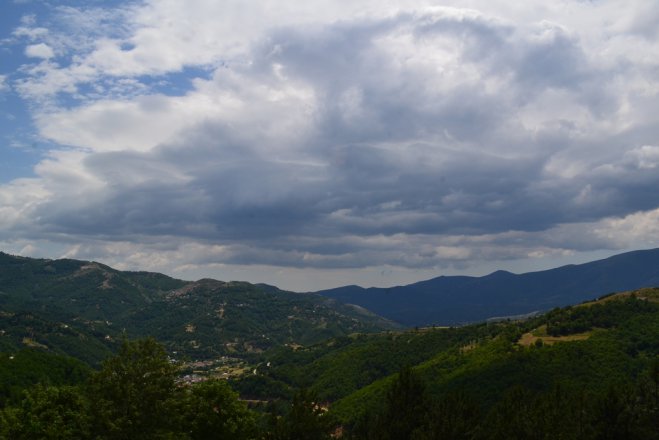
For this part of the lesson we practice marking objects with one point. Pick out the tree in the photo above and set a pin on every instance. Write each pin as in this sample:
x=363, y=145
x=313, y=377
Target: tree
x=211, y=410
x=454, y=417
x=648, y=399
x=47, y=413
x=512, y=418
x=404, y=409
x=133, y=394
x=306, y=420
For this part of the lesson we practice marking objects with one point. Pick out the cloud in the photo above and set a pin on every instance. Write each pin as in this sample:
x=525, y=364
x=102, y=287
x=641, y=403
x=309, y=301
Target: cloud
x=412, y=137
x=40, y=50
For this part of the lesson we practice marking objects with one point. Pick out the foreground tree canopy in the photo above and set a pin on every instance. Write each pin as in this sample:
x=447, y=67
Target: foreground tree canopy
x=133, y=396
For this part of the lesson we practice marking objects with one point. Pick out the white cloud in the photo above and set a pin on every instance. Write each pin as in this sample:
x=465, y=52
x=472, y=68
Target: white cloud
x=278, y=111
x=637, y=230
x=40, y=50
x=645, y=157
x=29, y=31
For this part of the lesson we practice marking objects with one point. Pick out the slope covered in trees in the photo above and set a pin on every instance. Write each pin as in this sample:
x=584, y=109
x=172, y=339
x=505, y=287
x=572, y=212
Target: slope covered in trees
x=488, y=381
x=83, y=308
x=481, y=367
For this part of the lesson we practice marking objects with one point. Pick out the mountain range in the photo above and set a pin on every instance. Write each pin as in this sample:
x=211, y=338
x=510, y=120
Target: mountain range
x=455, y=300
x=84, y=309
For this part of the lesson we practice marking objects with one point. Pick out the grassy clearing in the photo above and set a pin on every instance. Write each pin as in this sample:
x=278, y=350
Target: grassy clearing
x=540, y=333
x=33, y=344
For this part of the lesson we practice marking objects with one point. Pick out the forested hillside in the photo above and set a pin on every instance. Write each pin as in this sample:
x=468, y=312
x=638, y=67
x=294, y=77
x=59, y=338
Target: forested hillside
x=596, y=354
x=583, y=372
x=83, y=309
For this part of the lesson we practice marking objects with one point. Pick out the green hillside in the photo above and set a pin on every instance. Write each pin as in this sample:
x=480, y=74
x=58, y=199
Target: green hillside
x=27, y=367
x=209, y=318
x=621, y=345
x=83, y=308
x=86, y=341
x=583, y=372
x=590, y=347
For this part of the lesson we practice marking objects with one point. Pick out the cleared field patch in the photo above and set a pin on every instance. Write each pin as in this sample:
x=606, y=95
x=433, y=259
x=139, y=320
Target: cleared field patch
x=540, y=333
x=466, y=348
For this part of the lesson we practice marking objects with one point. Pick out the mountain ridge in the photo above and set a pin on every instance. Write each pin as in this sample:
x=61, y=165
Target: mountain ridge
x=444, y=300
x=454, y=300
x=56, y=303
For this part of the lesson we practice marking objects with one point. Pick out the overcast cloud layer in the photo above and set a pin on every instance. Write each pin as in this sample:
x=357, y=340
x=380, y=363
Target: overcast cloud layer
x=316, y=144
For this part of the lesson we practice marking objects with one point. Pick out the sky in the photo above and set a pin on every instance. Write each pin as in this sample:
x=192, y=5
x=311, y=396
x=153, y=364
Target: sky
x=323, y=143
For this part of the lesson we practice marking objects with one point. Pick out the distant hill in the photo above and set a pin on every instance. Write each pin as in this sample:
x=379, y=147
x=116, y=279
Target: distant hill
x=451, y=300
x=83, y=309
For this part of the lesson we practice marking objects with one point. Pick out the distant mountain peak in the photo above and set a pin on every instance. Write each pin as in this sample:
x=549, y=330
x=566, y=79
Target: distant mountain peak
x=500, y=273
